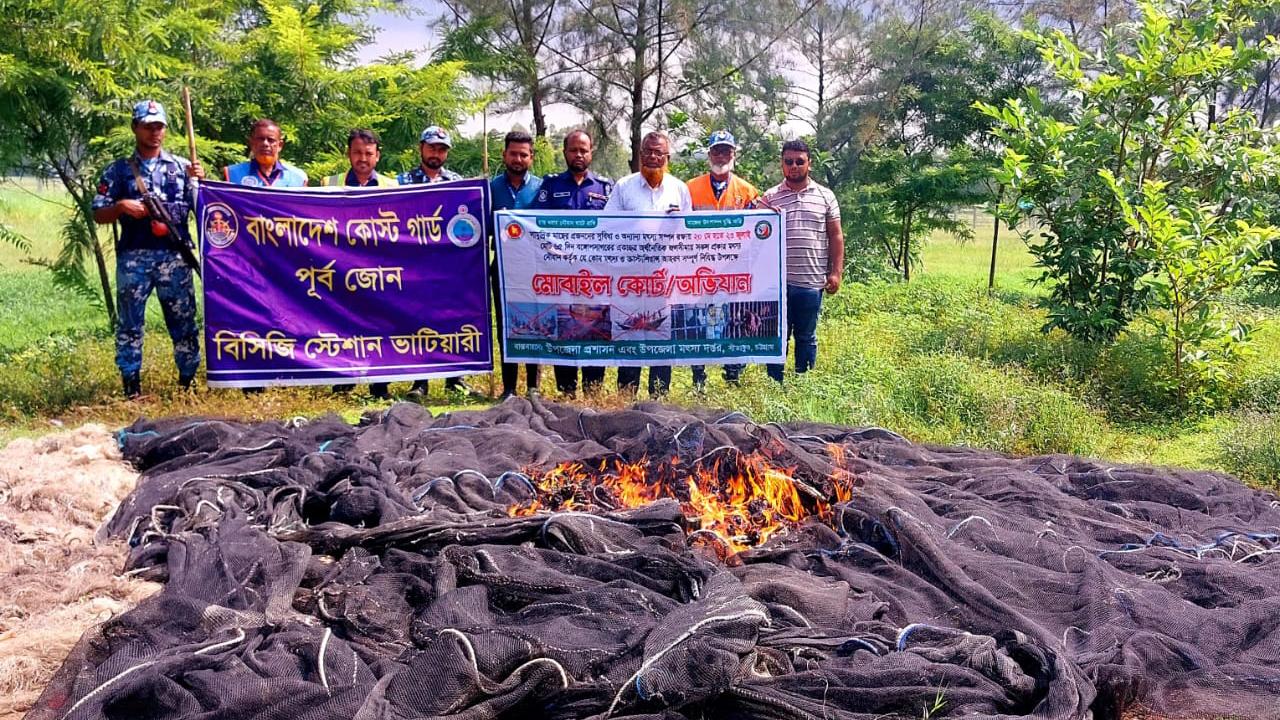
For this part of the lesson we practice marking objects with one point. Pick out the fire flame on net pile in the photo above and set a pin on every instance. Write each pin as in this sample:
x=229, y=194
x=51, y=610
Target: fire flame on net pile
x=743, y=499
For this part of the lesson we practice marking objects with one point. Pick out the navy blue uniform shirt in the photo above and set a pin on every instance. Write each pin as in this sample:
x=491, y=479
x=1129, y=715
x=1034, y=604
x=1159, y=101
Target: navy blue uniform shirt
x=165, y=176
x=562, y=192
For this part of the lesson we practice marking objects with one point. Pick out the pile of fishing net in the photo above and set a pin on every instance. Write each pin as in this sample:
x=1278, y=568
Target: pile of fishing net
x=535, y=560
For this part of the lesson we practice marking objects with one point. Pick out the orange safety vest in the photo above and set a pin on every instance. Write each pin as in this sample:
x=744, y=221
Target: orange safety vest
x=738, y=196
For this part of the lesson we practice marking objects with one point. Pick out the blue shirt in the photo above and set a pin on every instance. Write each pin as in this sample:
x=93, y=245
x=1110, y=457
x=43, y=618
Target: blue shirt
x=506, y=197
x=282, y=175
x=562, y=192
x=166, y=176
x=418, y=176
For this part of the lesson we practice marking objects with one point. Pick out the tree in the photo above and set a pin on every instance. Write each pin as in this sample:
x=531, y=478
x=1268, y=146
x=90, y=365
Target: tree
x=927, y=153
x=72, y=69
x=1143, y=115
x=506, y=41
x=652, y=53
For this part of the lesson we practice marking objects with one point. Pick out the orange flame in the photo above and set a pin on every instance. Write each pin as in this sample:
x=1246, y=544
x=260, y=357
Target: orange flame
x=743, y=500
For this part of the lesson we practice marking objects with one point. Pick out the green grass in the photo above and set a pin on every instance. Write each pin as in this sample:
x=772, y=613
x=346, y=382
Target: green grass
x=939, y=360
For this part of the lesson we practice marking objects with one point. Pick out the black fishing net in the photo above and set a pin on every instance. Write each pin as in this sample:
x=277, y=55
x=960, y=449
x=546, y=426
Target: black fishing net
x=420, y=567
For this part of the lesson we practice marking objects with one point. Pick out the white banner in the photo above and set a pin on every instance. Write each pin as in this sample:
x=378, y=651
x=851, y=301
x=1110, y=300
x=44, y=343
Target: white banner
x=593, y=288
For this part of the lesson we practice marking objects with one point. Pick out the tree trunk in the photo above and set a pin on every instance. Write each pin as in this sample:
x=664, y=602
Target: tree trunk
x=535, y=86
x=639, y=44
x=906, y=246
x=85, y=208
x=995, y=241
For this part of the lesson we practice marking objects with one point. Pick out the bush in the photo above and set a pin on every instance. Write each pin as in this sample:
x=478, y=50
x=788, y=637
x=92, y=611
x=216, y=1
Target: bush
x=1251, y=449
x=57, y=373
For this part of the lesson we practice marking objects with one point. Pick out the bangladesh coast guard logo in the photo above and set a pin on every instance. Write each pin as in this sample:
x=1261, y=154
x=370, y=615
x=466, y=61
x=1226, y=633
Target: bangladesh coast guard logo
x=464, y=229
x=514, y=231
x=763, y=230
x=220, y=225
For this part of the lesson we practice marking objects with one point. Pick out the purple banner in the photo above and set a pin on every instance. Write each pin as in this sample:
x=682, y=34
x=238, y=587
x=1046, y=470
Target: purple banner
x=305, y=287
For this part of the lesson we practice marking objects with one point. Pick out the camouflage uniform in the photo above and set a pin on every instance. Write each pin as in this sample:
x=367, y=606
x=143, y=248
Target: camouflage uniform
x=146, y=262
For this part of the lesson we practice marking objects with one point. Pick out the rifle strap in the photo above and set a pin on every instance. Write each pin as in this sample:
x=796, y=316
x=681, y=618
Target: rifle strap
x=137, y=177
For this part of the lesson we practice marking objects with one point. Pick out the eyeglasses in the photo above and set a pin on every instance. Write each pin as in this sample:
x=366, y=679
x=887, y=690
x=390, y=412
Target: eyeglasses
x=795, y=161
x=650, y=152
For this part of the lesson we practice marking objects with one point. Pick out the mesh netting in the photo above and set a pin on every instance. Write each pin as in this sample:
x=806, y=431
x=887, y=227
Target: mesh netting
x=320, y=570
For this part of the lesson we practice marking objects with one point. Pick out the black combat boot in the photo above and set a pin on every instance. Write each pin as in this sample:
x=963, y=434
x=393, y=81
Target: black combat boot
x=132, y=386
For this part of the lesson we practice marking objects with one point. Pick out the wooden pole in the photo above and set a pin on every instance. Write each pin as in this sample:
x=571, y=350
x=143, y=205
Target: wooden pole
x=191, y=132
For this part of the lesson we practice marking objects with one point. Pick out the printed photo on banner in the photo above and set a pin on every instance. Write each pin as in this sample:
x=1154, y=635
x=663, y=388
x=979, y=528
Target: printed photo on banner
x=642, y=288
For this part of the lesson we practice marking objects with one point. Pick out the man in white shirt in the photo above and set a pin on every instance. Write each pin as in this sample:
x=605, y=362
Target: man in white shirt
x=651, y=189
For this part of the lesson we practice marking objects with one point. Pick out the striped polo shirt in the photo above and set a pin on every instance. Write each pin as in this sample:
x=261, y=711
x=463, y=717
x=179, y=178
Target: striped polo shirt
x=807, y=213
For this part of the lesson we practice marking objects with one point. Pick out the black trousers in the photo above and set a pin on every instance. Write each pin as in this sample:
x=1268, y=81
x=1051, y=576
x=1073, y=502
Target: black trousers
x=567, y=378
x=659, y=380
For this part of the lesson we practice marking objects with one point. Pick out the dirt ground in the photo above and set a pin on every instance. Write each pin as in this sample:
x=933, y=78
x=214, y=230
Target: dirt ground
x=55, y=582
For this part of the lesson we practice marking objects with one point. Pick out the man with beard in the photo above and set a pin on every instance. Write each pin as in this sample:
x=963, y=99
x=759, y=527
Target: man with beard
x=721, y=189
x=433, y=148
x=146, y=257
x=651, y=189
x=513, y=189
x=815, y=250
x=577, y=188
x=264, y=168
x=363, y=152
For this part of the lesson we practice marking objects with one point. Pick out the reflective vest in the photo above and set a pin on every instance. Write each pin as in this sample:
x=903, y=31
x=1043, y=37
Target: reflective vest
x=738, y=196
x=340, y=180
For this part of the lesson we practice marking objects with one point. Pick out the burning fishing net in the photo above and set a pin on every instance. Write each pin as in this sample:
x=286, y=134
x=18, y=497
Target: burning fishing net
x=537, y=560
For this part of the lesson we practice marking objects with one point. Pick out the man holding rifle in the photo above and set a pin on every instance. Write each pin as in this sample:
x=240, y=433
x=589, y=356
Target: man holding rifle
x=153, y=251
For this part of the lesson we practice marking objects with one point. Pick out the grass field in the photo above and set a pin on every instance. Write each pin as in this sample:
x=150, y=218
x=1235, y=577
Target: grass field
x=939, y=360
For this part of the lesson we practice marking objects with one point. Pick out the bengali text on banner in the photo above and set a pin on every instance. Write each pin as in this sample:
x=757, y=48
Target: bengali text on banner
x=309, y=287
x=584, y=288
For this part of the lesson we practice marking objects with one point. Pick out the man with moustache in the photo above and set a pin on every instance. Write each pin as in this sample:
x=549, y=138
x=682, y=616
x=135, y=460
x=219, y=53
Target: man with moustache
x=721, y=189
x=433, y=151
x=264, y=168
x=364, y=150
x=515, y=188
x=146, y=258
x=577, y=188
x=815, y=250
x=651, y=189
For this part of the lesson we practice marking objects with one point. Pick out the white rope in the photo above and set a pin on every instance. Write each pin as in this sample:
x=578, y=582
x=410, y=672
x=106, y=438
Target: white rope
x=106, y=684
x=324, y=645
x=225, y=643
x=762, y=617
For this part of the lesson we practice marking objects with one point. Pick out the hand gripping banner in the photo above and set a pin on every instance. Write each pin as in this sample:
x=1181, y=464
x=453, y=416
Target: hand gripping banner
x=307, y=287
x=586, y=288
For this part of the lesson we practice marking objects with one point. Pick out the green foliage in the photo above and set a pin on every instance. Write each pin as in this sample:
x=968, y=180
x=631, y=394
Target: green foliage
x=1251, y=449
x=1195, y=257
x=1139, y=109
x=73, y=71
x=57, y=373
x=924, y=155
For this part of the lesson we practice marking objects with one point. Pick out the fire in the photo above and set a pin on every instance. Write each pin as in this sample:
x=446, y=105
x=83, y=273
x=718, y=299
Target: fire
x=740, y=499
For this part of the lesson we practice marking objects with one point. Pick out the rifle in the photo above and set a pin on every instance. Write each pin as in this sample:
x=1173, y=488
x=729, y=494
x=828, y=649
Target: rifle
x=160, y=214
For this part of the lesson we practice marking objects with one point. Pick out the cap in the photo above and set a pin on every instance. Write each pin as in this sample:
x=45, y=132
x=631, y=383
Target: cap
x=149, y=111
x=436, y=135
x=721, y=137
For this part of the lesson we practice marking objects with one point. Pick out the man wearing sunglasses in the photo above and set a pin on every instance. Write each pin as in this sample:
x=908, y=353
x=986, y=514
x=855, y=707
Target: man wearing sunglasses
x=815, y=250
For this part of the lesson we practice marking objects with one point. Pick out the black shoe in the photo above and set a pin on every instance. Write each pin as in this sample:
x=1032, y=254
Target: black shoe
x=379, y=391
x=185, y=381
x=416, y=394
x=132, y=386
